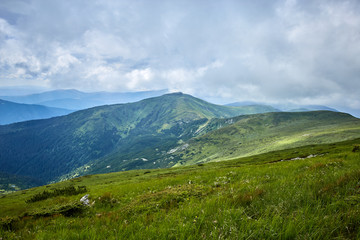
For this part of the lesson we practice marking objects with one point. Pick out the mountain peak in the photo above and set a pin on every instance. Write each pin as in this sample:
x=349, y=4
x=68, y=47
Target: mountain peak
x=176, y=94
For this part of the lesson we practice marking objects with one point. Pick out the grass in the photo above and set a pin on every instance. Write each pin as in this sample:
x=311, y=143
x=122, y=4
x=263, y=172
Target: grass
x=310, y=192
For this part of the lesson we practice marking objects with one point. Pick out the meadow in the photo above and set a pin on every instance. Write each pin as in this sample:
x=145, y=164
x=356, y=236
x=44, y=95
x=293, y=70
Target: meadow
x=309, y=192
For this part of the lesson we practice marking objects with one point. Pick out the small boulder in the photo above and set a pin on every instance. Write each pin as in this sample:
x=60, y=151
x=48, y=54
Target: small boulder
x=85, y=200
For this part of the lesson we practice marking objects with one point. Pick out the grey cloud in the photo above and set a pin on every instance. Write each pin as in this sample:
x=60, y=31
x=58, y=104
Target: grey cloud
x=298, y=51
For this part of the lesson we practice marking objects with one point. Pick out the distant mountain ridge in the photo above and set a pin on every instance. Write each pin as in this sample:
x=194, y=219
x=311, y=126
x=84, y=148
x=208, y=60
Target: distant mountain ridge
x=305, y=108
x=286, y=107
x=11, y=112
x=77, y=100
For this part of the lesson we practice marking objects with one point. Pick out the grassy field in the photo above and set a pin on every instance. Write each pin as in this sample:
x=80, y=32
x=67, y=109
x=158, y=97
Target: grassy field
x=310, y=192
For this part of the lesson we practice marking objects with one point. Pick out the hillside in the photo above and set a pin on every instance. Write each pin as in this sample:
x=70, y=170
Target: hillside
x=223, y=139
x=310, y=192
x=48, y=149
x=11, y=112
x=250, y=135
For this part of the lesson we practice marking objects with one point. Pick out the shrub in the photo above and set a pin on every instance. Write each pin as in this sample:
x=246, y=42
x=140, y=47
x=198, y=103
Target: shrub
x=66, y=191
x=107, y=200
x=356, y=148
x=7, y=223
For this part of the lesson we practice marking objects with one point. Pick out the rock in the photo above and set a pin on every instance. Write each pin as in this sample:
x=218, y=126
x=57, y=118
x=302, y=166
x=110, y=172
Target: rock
x=85, y=200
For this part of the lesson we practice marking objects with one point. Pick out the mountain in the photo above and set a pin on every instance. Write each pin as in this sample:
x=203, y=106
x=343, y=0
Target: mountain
x=11, y=112
x=254, y=134
x=76, y=100
x=50, y=148
x=159, y=132
x=192, y=117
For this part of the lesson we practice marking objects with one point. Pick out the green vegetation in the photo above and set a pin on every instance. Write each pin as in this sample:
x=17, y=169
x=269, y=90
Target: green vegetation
x=66, y=191
x=286, y=175
x=65, y=146
x=308, y=192
x=11, y=182
x=260, y=133
x=229, y=138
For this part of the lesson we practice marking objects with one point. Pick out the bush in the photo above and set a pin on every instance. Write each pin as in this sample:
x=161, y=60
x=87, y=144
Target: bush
x=68, y=210
x=7, y=223
x=66, y=191
x=356, y=148
x=107, y=200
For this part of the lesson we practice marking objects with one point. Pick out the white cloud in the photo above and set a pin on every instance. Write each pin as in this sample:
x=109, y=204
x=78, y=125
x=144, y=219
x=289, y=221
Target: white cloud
x=138, y=78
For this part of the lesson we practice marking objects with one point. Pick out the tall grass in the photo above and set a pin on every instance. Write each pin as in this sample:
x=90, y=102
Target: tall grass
x=306, y=198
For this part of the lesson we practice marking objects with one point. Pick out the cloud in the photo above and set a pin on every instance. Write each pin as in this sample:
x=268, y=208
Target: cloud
x=275, y=51
x=138, y=78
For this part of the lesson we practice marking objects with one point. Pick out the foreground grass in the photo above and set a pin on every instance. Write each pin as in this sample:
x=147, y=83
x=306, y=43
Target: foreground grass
x=258, y=197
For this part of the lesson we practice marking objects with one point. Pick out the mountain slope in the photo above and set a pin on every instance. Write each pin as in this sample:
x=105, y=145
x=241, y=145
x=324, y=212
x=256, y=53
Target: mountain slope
x=260, y=133
x=222, y=139
x=11, y=112
x=48, y=149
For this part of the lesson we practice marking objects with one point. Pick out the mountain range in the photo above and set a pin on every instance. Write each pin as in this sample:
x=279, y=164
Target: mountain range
x=61, y=102
x=77, y=100
x=50, y=148
x=287, y=107
x=170, y=130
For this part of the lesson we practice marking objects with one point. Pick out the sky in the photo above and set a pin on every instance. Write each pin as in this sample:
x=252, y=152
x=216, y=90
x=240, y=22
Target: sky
x=305, y=52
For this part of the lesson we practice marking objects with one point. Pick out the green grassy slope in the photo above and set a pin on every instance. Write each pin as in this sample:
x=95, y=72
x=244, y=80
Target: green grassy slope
x=48, y=149
x=310, y=192
x=234, y=137
x=254, y=134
